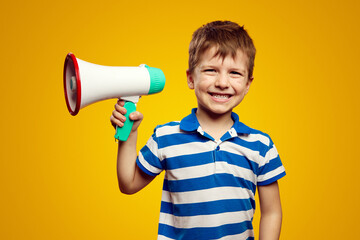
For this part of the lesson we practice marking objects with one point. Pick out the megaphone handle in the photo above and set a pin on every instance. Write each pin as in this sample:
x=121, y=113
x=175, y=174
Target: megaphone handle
x=122, y=133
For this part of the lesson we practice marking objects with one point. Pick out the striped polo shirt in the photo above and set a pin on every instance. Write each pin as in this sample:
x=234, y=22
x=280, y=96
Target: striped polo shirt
x=209, y=186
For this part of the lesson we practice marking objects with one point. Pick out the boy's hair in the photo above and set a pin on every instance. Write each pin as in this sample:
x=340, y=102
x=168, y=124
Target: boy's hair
x=227, y=36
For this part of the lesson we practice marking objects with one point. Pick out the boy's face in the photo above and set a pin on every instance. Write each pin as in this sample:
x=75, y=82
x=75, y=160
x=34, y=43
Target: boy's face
x=220, y=84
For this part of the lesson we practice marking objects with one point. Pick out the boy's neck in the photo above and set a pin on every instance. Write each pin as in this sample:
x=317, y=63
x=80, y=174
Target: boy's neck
x=216, y=125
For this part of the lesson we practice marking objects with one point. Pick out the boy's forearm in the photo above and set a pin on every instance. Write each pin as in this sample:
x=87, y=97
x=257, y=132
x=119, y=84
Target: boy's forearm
x=126, y=163
x=270, y=226
x=271, y=212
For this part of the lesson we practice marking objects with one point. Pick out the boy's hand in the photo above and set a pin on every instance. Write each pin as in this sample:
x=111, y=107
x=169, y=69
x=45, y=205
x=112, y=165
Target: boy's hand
x=117, y=118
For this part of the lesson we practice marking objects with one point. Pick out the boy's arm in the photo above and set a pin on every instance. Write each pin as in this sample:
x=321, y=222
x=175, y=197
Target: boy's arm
x=130, y=178
x=271, y=212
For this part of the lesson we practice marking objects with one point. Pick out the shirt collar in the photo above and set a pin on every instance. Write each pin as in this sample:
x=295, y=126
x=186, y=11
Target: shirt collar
x=190, y=123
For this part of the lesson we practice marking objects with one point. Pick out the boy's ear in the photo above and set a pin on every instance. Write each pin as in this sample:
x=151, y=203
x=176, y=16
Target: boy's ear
x=250, y=80
x=190, y=80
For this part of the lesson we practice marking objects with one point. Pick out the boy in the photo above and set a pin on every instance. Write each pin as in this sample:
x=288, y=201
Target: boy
x=213, y=162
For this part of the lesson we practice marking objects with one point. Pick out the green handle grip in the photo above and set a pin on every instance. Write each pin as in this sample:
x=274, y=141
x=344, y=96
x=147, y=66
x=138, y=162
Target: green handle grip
x=122, y=133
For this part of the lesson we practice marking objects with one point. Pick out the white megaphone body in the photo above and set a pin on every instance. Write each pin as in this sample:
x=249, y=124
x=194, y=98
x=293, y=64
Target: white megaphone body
x=86, y=83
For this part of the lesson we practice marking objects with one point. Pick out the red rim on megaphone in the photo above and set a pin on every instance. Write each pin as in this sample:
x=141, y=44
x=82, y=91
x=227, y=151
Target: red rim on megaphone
x=72, y=84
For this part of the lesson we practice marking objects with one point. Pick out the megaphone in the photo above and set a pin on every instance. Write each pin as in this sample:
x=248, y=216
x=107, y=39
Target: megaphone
x=86, y=83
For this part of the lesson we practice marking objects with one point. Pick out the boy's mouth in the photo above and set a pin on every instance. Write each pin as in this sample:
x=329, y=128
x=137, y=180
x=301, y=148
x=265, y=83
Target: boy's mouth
x=220, y=96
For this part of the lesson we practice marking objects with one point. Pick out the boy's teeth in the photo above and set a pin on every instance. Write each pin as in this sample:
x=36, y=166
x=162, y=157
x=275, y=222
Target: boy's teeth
x=221, y=96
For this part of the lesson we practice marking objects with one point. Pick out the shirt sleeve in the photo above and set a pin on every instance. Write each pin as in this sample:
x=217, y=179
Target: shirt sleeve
x=271, y=168
x=149, y=157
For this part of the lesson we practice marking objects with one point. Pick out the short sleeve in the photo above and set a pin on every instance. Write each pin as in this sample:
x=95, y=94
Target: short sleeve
x=271, y=168
x=149, y=157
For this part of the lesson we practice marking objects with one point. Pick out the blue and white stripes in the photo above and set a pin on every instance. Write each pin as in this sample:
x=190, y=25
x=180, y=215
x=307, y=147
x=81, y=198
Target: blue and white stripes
x=209, y=187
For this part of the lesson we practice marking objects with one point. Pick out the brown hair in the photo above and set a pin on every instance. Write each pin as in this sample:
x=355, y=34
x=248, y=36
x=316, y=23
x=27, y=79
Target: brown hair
x=227, y=36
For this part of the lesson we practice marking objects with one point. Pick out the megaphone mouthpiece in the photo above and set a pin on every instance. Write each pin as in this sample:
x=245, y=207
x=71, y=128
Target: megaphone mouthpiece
x=157, y=80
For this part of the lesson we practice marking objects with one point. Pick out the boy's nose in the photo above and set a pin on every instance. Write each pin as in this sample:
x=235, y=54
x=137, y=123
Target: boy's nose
x=222, y=81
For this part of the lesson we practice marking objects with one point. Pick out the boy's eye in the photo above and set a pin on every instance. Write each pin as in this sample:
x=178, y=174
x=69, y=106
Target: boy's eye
x=209, y=70
x=236, y=73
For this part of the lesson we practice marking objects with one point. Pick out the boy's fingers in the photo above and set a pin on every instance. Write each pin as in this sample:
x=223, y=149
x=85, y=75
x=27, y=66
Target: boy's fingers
x=121, y=102
x=116, y=122
x=120, y=109
x=118, y=116
x=135, y=116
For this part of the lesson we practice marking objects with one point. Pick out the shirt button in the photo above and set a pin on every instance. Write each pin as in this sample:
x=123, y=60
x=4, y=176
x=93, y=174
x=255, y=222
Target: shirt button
x=217, y=148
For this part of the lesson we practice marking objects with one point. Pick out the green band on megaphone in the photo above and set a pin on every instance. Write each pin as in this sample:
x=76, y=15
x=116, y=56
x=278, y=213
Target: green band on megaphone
x=157, y=79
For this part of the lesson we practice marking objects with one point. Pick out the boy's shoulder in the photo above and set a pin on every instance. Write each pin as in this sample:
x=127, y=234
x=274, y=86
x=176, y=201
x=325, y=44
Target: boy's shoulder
x=257, y=135
x=167, y=128
x=250, y=134
x=255, y=131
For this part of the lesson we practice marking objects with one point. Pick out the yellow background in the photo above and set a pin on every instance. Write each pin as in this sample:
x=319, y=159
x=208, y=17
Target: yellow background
x=58, y=172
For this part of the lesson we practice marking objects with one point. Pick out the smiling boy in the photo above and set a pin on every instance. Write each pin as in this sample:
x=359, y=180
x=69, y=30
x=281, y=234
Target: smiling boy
x=213, y=163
